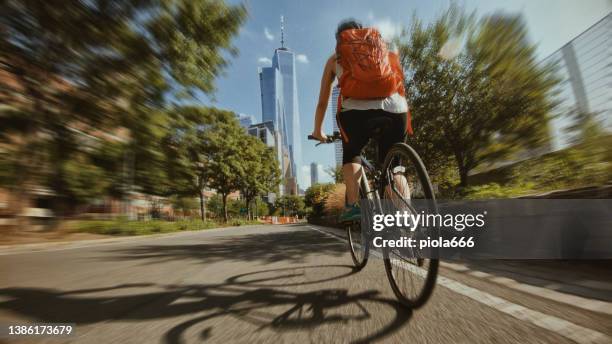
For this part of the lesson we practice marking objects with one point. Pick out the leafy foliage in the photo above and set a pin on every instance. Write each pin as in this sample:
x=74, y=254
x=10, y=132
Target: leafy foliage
x=207, y=148
x=123, y=227
x=289, y=205
x=79, y=74
x=489, y=100
x=586, y=164
x=262, y=171
x=315, y=197
x=336, y=173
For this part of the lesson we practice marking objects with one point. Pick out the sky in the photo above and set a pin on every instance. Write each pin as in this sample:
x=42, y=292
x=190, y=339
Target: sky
x=309, y=33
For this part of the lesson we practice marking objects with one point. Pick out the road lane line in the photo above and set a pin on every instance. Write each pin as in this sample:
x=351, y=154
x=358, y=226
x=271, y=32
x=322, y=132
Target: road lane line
x=569, y=299
x=567, y=329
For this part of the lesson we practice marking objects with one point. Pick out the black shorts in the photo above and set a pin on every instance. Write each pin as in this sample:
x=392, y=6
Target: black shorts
x=358, y=126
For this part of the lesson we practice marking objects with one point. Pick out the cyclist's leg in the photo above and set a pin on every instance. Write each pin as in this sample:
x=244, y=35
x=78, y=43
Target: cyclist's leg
x=394, y=134
x=351, y=171
x=355, y=137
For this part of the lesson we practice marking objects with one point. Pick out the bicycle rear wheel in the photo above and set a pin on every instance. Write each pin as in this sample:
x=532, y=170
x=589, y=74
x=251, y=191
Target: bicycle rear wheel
x=411, y=274
x=357, y=240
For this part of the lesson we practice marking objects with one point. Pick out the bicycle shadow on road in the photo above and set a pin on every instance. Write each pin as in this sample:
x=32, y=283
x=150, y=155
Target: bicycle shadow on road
x=292, y=247
x=247, y=297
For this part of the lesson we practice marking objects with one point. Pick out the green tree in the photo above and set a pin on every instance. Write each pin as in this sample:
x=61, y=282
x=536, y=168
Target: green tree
x=233, y=207
x=289, y=205
x=484, y=102
x=68, y=81
x=225, y=156
x=207, y=148
x=215, y=206
x=260, y=207
x=198, y=137
x=315, y=197
x=185, y=158
x=262, y=171
x=184, y=204
x=336, y=173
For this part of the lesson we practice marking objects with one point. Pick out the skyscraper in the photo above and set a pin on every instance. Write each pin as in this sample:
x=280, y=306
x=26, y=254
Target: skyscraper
x=279, y=104
x=334, y=109
x=314, y=173
x=272, y=103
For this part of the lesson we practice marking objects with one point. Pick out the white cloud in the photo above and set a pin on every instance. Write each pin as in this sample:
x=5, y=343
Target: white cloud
x=388, y=29
x=450, y=49
x=302, y=58
x=264, y=61
x=269, y=36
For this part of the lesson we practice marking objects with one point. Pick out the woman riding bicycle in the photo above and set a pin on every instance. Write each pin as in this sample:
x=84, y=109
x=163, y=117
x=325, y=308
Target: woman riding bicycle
x=371, y=83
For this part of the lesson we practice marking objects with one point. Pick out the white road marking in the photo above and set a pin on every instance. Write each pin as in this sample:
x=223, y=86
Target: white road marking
x=573, y=300
x=569, y=330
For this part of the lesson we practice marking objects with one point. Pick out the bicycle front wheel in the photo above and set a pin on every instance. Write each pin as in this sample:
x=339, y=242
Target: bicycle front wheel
x=411, y=274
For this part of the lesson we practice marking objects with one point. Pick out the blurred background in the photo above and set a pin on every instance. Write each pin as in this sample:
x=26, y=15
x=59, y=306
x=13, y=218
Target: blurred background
x=109, y=116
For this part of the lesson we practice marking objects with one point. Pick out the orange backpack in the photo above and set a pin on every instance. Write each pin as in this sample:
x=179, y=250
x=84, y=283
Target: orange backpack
x=369, y=69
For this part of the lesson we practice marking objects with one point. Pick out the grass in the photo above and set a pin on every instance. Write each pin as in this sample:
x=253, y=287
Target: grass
x=578, y=166
x=495, y=191
x=122, y=227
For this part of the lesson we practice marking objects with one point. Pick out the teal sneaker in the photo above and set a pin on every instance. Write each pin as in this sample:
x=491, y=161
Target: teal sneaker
x=351, y=213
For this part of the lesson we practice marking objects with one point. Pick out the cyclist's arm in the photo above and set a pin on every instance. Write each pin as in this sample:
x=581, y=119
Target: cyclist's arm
x=327, y=79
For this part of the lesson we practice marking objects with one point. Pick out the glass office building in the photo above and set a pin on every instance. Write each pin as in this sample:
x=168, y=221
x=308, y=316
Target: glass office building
x=279, y=104
x=585, y=68
x=284, y=62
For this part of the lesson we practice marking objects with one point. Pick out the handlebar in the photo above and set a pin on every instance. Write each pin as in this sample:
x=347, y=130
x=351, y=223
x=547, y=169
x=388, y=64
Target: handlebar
x=336, y=136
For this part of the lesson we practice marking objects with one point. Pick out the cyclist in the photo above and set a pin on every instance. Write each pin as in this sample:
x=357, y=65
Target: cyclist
x=371, y=83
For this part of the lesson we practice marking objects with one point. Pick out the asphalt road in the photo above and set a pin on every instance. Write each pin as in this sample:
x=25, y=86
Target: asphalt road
x=278, y=284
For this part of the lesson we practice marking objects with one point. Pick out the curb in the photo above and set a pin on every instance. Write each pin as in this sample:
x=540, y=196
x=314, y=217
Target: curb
x=64, y=245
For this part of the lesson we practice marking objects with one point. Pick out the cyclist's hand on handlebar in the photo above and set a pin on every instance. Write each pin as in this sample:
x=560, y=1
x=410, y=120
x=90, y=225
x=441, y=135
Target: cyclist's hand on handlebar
x=319, y=135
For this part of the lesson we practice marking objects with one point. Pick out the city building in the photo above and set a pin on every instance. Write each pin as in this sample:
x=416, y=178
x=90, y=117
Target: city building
x=585, y=67
x=245, y=120
x=264, y=131
x=271, y=138
x=333, y=110
x=314, y=173
x=279, y=104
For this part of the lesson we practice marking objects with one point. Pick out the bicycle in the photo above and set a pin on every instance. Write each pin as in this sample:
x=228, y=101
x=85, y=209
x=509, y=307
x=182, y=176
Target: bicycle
x=402, y=165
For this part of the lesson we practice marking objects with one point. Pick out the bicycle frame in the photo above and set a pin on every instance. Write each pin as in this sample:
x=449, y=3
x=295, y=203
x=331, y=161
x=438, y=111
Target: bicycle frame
x=365, y=185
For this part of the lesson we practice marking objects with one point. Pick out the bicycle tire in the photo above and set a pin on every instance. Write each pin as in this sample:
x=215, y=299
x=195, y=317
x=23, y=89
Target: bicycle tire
x=359, y=262
x=402, y=150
